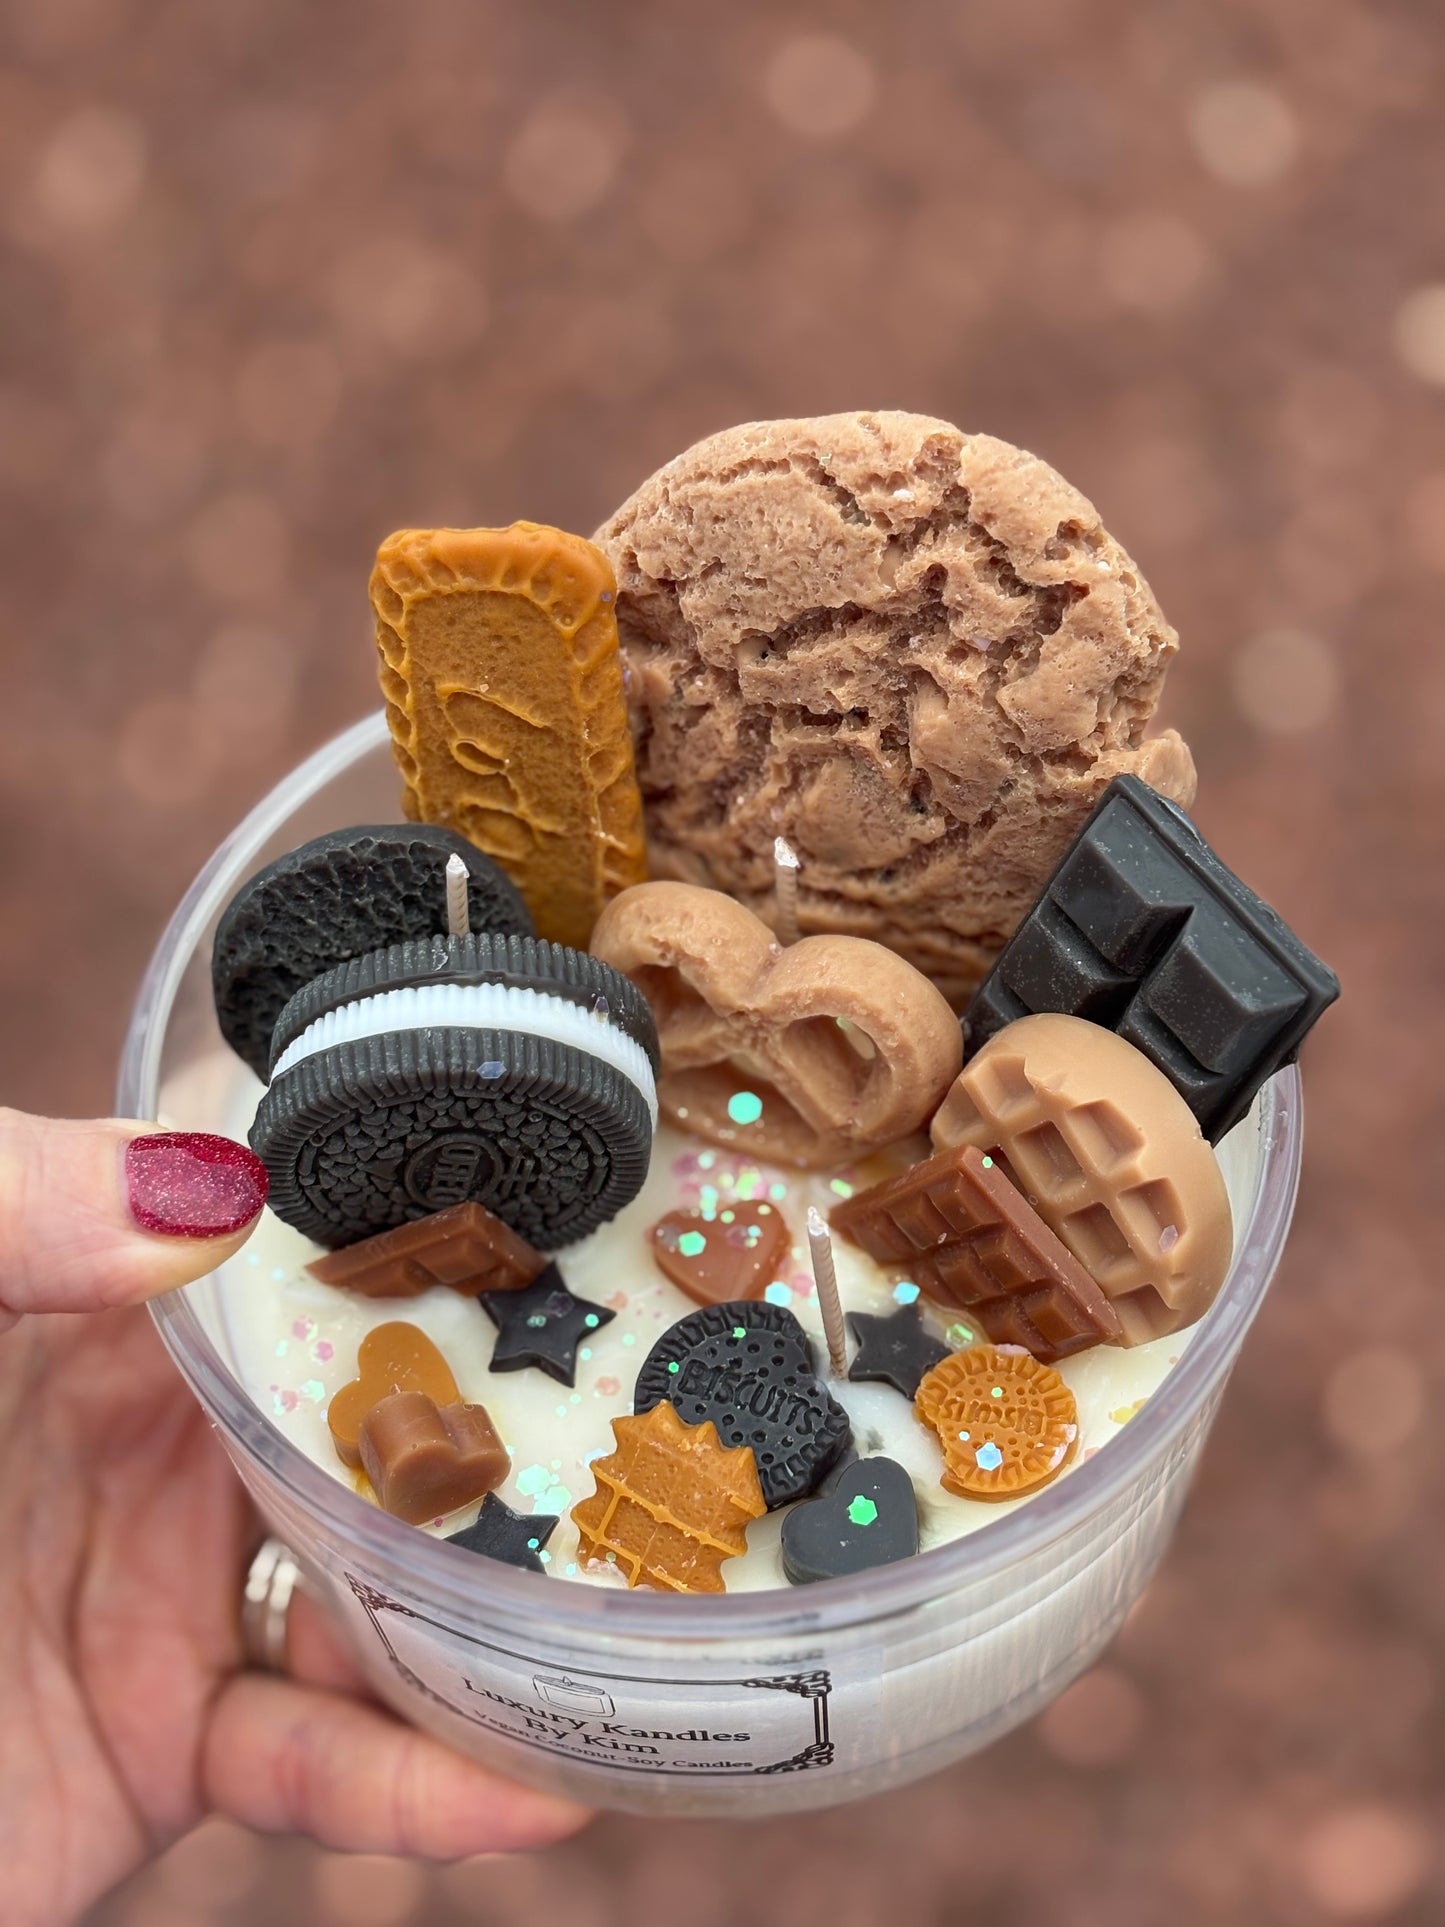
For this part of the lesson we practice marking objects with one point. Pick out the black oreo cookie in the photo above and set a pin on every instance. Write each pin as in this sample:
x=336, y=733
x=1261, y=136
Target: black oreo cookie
x=504, y=1069
x=340, y=896
x=748, y=1367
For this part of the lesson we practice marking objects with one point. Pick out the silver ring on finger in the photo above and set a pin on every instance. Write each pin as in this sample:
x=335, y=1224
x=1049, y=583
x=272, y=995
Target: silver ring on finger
x=271, y=1582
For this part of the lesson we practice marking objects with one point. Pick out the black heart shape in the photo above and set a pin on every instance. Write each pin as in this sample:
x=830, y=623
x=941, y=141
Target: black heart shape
x=867, y=1517
x=748, y=1367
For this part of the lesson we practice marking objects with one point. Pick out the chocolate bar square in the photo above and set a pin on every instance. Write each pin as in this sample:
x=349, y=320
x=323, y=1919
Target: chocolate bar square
x=463, y=1246
x=972, y=1239
x=1142, y=929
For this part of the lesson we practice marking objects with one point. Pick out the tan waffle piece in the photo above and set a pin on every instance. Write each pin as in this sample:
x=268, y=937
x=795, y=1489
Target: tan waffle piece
x=971, y=1239
x=671, y=1503
x=1110, y=1156
x=1007, y=1424
x=503, y=686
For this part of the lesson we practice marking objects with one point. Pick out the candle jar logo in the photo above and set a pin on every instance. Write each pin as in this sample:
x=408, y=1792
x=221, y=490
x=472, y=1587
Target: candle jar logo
x=572, y=1696
x=450, y=1169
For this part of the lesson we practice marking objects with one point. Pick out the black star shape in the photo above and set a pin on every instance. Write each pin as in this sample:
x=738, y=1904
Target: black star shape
x=896, y=1350
x=542, y=1325
x=516, y=1538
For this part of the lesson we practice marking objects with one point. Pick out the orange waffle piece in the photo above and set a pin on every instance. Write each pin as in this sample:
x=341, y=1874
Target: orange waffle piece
x=1007, y=1424
x=503, y=686
x=671, y=1503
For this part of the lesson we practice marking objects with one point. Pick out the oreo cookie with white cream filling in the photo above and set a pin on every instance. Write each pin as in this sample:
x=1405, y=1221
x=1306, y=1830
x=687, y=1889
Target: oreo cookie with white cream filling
x=500, y=1068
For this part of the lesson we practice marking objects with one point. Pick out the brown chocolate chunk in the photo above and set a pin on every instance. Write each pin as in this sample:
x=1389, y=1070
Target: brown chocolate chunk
x=425, y=1459
x=1109, y=1153
x=464, y=1247
x=1007, y=1424
x=671, y=1503
x=395, y=1357
x=971, y=1239
x=733, y=1253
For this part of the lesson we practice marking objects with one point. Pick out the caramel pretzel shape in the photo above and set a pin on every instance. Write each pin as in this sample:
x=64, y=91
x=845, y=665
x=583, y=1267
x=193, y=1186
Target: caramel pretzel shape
x=735, y=1011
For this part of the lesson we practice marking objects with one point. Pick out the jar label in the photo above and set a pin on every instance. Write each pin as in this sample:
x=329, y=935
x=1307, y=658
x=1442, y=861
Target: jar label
x=787, y=1717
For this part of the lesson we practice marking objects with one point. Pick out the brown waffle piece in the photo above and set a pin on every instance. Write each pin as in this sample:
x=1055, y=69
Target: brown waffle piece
x=1109, y=1153
x=503, y=686
x=671, y=1503
x=1007, y=1423
x=463, y=1246
x=971, y=1239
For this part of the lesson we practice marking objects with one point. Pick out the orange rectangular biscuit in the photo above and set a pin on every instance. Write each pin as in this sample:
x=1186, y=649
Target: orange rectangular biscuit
x=503, y=686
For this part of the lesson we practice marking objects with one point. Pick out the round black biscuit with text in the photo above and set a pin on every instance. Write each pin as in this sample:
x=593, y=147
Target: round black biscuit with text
x=748, y=1367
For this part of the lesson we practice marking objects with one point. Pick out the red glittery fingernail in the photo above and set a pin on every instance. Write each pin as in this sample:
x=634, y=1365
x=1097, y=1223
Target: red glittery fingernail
x=189, y=1184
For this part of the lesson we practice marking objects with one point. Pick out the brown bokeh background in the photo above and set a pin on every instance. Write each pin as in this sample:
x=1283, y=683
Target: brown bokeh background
x=280, y=275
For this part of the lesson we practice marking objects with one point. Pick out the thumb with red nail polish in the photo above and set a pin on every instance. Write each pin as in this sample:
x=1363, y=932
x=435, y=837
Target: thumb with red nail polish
x=106, y=1213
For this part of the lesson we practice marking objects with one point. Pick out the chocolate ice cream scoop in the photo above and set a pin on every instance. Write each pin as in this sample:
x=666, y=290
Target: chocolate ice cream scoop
x=916, y=654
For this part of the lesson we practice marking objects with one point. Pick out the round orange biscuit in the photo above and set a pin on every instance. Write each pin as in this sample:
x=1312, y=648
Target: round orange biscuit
x=1007, y=1424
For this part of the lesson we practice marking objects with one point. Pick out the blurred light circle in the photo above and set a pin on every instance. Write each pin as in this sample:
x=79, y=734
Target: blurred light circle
x=565, y=155
x=1095, y=1722
x=244, y=684
x=407, y=296
x=819, y=85
x=1150, y=262
x=92, y=169
x=1244, y=132
x=166, y=752
x=1285, y=681
x=1420, y=333
x=1363, y=1862
x=238, y=547
x=1374, y=1401
x=287, y=391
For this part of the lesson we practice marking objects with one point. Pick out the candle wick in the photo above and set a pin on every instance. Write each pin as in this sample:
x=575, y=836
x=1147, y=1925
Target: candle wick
x=786, y=864
x=825, y=1279
x=458, y=921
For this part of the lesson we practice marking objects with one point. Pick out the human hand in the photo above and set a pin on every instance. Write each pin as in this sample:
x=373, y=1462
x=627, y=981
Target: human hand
x=126, y=1712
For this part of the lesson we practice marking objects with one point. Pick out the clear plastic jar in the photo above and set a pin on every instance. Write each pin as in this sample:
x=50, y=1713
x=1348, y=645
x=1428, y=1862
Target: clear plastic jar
x=756, y=1703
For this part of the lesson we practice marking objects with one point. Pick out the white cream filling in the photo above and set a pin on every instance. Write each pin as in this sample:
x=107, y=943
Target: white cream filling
x=477, y=1007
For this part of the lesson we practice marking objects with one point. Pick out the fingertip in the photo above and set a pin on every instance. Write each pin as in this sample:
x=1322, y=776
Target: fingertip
x=112, y=1211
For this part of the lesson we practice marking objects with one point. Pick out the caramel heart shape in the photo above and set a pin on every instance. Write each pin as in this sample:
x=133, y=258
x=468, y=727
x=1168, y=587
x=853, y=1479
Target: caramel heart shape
x=732, y=1253
x=395, y=1357
x=846, y=1046
x=424, y=1459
